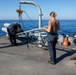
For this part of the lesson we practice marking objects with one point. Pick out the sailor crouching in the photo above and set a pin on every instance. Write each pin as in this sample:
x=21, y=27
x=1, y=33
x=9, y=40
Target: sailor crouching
x=13, y=29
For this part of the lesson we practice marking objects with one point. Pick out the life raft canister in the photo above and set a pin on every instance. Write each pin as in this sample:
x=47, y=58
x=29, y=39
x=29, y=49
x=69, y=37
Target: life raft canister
x=65, y=42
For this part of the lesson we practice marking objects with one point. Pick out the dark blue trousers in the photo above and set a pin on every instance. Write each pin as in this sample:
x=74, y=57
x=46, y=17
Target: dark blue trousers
x=12, y=37
x=52, y=49
x=52, y=40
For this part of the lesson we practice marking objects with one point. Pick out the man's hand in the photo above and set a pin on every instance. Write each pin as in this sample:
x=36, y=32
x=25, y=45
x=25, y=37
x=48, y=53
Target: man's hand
x=17, y=30
x=44, y=28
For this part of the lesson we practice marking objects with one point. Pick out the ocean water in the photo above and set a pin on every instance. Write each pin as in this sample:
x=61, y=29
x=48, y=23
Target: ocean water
x=66, y=26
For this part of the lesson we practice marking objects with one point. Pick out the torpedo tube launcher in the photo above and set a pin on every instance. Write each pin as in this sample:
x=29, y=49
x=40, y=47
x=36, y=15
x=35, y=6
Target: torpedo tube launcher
x=34, y=32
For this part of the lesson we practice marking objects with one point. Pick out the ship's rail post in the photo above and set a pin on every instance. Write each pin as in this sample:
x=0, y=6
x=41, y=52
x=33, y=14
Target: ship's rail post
x=39, y=42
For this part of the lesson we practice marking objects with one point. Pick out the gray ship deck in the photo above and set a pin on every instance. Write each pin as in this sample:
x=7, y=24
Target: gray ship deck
x=19, y=60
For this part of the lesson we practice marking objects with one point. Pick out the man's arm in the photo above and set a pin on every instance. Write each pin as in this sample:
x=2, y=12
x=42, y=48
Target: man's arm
x=48, y=29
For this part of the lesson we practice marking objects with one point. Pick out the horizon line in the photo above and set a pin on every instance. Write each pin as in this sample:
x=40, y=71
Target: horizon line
x=37, y=19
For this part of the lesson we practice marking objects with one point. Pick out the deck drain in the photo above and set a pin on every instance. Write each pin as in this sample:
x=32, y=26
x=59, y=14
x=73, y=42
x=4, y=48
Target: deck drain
x=74, y=58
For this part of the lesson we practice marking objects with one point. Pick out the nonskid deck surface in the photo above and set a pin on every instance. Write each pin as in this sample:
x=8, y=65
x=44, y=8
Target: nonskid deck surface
x=19, y=60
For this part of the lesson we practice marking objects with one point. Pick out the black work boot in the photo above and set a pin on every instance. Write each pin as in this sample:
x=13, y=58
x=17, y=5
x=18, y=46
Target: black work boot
x=51, y=61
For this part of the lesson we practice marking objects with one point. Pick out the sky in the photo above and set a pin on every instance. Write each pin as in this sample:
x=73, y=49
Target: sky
x=65, y=9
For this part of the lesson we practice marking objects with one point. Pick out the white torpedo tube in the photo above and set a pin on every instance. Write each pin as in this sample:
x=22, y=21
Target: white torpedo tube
x=4, y=28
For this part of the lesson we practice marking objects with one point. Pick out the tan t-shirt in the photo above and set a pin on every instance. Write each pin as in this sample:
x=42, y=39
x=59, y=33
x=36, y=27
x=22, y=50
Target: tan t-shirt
x=54, y=26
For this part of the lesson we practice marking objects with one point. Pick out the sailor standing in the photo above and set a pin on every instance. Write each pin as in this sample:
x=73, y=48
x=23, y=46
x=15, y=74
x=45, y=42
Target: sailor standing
x=53, y=27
